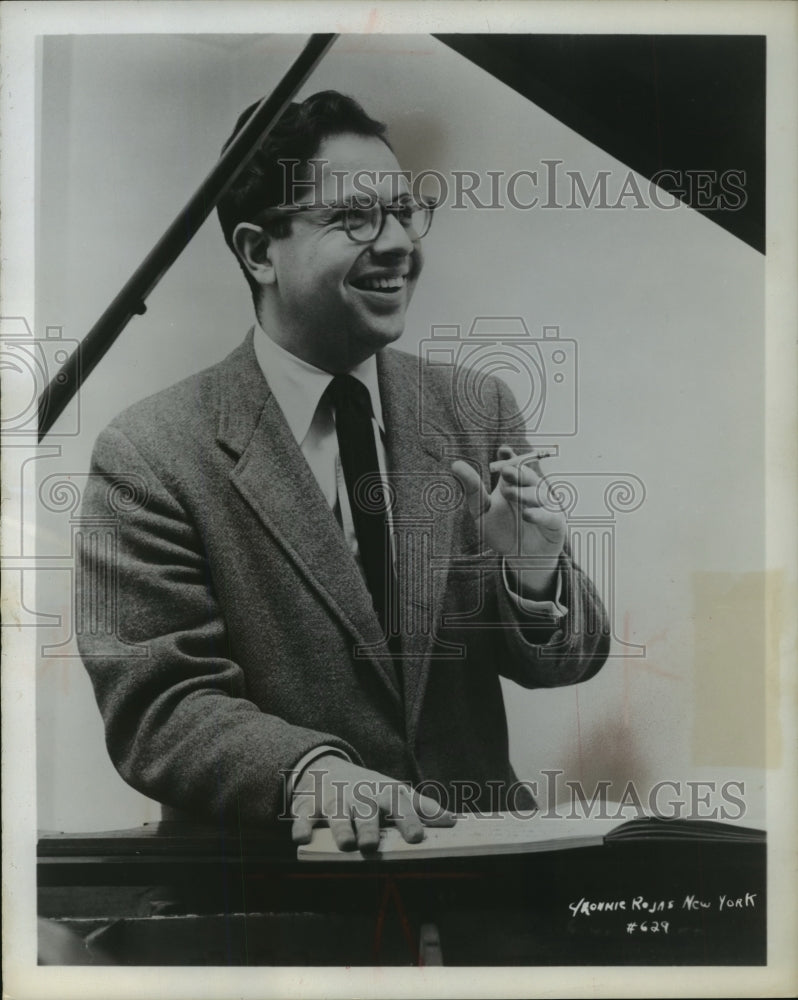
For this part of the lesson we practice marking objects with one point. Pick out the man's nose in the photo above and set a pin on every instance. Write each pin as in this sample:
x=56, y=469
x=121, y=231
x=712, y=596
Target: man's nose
x=393, y=237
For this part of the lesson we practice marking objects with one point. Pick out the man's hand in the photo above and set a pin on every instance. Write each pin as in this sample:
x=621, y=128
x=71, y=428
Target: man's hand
x=518, y=518
x=353, y=800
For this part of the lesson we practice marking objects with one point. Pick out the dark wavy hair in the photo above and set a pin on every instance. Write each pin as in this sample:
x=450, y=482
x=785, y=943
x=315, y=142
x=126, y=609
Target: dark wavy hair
x=297, y=136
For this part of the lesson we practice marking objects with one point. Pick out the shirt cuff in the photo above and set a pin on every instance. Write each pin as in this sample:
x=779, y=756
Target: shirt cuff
x=546, y=609
x=293, y=776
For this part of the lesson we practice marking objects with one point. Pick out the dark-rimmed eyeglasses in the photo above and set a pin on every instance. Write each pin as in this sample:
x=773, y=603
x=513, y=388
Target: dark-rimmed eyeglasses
x=364, y=222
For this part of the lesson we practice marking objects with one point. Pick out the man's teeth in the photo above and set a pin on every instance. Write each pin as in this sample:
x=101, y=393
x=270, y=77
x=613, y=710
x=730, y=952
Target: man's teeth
x=379, y=284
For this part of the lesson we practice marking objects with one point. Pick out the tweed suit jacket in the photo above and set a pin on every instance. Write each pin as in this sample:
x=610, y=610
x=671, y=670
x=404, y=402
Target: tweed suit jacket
x=243, y=633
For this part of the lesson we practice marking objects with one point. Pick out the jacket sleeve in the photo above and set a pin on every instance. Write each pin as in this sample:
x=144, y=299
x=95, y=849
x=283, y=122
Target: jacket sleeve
x=178, y=725
x=547, y=650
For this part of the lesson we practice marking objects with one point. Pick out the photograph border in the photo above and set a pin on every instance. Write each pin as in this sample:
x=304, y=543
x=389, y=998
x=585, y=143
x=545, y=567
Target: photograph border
x=20, y=27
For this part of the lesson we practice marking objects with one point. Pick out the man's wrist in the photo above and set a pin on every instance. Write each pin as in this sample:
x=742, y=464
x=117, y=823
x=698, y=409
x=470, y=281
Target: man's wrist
x=316, y=757
x=538, y=583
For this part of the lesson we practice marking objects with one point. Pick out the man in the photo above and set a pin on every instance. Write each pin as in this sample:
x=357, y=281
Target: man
x=309, y=646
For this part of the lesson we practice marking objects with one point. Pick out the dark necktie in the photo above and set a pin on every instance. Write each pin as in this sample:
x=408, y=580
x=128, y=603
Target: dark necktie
x=353, y=424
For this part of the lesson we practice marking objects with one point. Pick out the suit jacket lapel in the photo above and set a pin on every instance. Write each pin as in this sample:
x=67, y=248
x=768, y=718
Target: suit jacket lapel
x=425, y=497
x=276, y=481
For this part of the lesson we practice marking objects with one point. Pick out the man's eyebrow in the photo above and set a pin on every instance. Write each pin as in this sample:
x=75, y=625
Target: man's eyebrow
x=360, y=198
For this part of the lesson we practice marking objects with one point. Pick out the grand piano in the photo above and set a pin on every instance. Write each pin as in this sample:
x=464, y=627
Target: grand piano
x=175, y=894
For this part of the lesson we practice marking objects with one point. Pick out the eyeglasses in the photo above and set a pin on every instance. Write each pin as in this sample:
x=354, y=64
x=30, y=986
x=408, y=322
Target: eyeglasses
x=363, y=222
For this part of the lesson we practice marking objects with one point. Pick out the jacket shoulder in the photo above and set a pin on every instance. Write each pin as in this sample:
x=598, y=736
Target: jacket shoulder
x=187, y=409
x=457, y=389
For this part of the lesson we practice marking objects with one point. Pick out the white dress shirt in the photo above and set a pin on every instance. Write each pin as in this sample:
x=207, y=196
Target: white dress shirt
x=298, y=387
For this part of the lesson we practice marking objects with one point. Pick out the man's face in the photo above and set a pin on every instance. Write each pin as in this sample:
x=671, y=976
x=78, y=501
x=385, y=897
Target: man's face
x=325, y=298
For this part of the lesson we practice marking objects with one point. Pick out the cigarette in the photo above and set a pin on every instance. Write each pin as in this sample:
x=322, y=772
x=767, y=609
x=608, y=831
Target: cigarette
x=531, y=456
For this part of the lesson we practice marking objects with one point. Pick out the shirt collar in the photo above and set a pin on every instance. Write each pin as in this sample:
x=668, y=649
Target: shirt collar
x=298, y=386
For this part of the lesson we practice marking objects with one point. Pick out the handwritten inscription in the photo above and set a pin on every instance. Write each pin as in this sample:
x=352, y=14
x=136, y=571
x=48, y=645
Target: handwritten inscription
x=587, y=907
x=645, y=927
x=746, y=902
x=692, y=903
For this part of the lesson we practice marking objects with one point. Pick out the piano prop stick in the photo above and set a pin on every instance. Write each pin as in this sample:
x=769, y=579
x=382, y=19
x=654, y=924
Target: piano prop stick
x=131, y=299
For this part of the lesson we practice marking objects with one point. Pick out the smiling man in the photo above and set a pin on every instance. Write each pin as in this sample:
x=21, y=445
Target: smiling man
x=284, y=644
x=350, y=273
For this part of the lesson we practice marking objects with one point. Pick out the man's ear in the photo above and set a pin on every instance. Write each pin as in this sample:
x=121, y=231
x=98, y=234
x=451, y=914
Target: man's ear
x=252, y=246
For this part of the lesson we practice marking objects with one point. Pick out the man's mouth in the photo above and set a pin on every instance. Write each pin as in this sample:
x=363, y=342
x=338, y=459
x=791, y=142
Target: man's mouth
x=388, y=285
